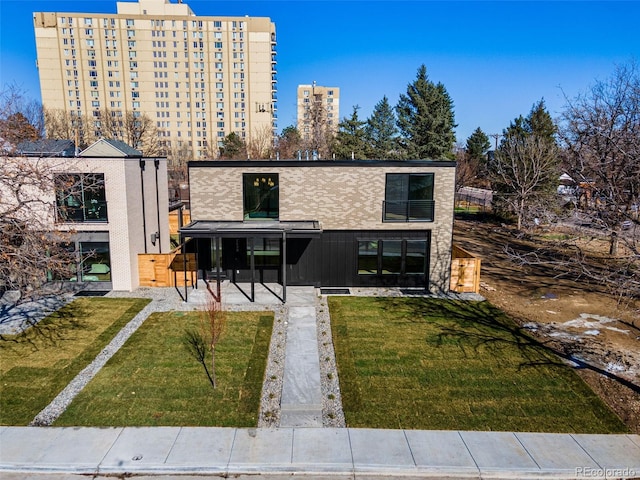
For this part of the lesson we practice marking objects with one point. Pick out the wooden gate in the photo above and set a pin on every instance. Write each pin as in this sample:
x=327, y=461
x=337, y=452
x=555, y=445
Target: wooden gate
x=167, y=269
x=465, y=271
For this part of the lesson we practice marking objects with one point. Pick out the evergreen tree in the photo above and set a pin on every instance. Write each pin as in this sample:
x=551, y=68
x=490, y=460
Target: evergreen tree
x=426, y=119
x=289, y=142
x=350, y=140
x=477, y=145
x=381, y=131
x=233, y=148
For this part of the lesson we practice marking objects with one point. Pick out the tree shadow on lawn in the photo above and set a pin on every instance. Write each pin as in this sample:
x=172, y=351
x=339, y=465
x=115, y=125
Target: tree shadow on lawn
x=480, y=324
x=37, y=326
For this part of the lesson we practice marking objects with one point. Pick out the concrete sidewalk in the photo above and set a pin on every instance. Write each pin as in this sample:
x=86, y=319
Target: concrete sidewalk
x=171, y=452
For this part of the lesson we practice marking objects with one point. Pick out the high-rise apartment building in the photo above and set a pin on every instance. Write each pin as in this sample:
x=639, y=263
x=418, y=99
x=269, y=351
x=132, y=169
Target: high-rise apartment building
x=198, y=78
x=318, y=108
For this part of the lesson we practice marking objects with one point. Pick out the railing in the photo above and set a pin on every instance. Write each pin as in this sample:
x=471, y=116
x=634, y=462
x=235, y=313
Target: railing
x=408, y=211
x=92, y=212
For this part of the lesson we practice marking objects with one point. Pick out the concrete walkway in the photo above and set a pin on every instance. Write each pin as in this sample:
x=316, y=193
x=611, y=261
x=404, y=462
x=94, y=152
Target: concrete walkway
x=301, y=403
x=301, y=400
x=172, y=452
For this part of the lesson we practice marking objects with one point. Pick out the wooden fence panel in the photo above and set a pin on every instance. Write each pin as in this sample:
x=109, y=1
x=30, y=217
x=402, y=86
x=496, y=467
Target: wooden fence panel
x=174, y=223
x=155, y=269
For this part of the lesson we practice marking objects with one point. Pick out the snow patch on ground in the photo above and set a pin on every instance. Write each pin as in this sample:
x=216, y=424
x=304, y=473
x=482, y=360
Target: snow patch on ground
x=592, y=323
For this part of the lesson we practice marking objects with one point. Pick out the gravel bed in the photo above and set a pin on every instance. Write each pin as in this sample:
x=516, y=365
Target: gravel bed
x=332, y=413
x=51, y=412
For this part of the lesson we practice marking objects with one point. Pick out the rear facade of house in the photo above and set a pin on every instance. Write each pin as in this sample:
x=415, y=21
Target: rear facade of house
x=324, y=223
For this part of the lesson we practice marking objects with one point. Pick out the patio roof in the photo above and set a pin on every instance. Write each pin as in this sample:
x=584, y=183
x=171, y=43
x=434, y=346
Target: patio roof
x=218, y=228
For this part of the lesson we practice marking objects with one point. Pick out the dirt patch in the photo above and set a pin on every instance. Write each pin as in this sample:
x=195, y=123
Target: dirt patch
x=578, y=319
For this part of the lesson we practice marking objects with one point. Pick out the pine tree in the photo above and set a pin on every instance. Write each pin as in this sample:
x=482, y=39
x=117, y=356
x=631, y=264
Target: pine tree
x=477, y=145
x=382, y=132
x=233, y=148
x=350, y=143
x=426, y=119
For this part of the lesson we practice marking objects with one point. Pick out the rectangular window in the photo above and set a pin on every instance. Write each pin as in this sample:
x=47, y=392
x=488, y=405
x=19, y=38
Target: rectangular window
x=80, y=197
x=261, y=196
x=95, y=262
x=367, y=257
x=266, y=252
x=392, y=257
x=415, y=257
x=408, y=197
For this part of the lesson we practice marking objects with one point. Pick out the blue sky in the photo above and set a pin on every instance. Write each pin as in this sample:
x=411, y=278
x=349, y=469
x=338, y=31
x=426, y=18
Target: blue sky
x=496, y=59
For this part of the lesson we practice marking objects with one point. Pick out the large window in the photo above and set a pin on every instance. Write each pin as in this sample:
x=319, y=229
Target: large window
x=80, y=197
x=266, y=252
x=408, y=197
x=92, y=262
x=392, y=257
x=95, y=262
x=261, y=198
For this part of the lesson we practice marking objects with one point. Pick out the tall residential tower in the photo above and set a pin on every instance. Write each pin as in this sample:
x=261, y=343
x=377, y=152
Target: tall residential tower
x=198, y=78
x=318, y=108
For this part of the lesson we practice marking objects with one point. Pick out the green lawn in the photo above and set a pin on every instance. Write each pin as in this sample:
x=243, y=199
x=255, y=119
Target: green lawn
x=36, y=365
x=436, y=364
x=152, y=380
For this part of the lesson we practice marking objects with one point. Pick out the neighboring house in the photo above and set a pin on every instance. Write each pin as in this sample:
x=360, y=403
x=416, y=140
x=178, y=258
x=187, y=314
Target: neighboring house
x=324, y=223
x=47, y=148
x=115, y=203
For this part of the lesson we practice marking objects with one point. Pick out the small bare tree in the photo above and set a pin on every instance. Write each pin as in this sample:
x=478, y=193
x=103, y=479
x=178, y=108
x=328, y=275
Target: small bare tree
x=524, y=168
x=141, y=133
x=260, y=143
x=202, y=341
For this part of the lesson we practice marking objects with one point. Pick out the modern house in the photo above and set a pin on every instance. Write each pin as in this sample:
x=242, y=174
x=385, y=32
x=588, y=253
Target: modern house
x=114, y=203
x=323, y=223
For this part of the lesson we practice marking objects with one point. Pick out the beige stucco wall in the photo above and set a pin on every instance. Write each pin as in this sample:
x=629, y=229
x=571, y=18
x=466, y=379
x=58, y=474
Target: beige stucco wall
x=339, y=197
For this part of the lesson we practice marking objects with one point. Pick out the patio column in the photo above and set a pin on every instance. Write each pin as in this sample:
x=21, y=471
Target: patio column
x=284, y=266
x=253, y=269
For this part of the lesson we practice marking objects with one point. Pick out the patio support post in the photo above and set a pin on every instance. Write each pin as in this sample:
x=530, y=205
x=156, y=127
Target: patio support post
x=253, y=269
x=284, y=266
x=218, y=265
x=184, y=258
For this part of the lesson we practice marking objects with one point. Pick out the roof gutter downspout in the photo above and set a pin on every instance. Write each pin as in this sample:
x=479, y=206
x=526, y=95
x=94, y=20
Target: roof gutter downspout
x=144, y=216
x=156, y=162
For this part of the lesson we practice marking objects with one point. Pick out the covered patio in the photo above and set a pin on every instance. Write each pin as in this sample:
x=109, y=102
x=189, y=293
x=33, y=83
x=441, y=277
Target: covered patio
x=258, y=238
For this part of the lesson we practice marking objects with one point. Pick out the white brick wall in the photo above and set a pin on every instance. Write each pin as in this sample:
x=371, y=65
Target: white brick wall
x=124, y=210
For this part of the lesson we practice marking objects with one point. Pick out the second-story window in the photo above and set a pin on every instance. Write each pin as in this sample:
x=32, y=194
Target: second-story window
x=408, y=198
x=261, y=196
x=80, y=197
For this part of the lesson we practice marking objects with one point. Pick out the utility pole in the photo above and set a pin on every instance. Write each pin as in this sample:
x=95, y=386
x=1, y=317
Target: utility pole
x=496, y=136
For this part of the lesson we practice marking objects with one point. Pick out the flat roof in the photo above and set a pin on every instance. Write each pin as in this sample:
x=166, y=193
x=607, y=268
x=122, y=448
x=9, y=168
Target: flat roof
x=221, y=228
x=320, y=163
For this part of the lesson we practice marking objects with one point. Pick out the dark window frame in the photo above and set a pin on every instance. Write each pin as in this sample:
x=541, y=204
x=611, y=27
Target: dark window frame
x=81, y=198
x=260, y=196
x=408, y=198
x=364, y=269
